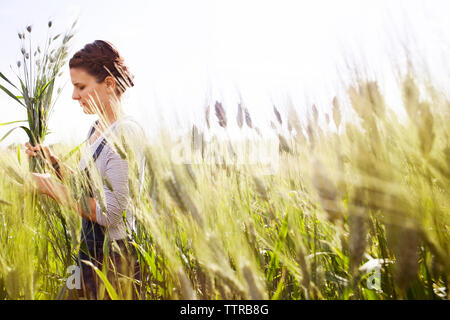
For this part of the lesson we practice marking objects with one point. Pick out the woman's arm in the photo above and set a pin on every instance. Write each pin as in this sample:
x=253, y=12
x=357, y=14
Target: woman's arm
x=116, y=198
x=57, y=191
x=116, y=171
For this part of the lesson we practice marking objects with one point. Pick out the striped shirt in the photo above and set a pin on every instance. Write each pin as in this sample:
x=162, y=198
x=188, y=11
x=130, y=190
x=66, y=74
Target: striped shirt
x=113, y=171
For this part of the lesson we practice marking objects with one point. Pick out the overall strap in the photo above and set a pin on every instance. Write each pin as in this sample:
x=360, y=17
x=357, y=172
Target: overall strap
x=94, y=156
x=100, y=147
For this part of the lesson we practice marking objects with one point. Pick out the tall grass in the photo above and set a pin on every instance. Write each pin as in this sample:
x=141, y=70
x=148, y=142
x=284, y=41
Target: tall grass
x=363, y=199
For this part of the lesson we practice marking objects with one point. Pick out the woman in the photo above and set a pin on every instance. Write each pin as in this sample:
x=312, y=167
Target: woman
x=100, y=77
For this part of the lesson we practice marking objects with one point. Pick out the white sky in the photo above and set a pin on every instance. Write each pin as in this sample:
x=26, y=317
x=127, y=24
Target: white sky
x=180, y=50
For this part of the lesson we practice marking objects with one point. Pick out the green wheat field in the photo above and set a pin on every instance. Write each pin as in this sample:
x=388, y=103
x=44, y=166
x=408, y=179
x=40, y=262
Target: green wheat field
x=355, y=210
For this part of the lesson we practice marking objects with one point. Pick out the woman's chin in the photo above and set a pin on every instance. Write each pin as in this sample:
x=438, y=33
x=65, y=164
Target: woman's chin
x=87, y=111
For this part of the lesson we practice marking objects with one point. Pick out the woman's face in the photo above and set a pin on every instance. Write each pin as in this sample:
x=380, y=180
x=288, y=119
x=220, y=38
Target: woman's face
x=89, y=93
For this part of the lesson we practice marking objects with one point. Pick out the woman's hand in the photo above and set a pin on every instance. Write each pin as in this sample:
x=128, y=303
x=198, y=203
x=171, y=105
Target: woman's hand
x=43, y=183
x=41, y=150
x=48, y=155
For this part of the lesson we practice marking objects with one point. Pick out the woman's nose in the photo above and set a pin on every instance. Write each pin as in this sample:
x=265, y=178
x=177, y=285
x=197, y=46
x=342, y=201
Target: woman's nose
x=75, y=95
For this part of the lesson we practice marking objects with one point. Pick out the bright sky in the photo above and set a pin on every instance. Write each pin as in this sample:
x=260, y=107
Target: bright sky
x=181, y=50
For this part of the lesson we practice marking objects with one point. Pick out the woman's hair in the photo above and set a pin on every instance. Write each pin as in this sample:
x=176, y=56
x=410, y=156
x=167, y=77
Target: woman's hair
x=101, y=59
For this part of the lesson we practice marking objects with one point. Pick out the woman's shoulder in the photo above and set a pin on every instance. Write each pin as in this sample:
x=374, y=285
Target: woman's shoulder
x=130, y=125
x=129, y=130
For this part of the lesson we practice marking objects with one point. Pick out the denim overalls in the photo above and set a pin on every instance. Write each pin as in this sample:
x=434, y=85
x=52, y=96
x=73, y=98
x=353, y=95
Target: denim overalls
x=91, y=249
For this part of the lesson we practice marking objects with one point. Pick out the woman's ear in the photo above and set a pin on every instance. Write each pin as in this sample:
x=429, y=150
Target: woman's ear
x=110, y=83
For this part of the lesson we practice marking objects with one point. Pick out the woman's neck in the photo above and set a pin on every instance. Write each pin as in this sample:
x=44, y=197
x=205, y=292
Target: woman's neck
x=109, y=117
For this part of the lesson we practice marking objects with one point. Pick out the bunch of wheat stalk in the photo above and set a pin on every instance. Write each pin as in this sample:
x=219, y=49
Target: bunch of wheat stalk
x=37, y=73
